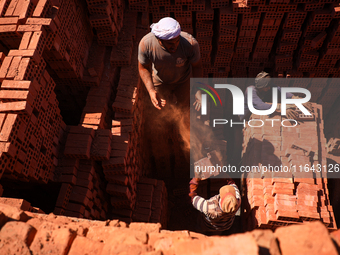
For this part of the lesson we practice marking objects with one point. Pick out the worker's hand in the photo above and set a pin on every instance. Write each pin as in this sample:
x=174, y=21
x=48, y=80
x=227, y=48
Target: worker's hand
x=198, y=101
x=156, y=100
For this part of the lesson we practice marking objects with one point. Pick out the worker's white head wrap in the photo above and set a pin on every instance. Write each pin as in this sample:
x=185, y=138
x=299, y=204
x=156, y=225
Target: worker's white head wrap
x=166, y=29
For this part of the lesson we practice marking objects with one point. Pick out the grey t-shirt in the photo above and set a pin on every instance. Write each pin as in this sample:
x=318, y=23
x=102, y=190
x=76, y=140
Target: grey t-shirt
x=169, y=68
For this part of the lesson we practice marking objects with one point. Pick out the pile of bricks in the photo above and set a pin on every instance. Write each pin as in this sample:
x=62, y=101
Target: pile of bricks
x=31, y=124
x=297, y=190
x=241, y=38
x=68, y=45
x=106, y=17
x=152, y=202
x=122, y=52
x=82, y=193
x=27, y=232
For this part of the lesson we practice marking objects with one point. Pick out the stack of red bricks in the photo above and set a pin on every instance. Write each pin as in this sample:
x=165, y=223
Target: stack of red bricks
x=82, y=192
x=106, y=17
x=139, y=6
x=31, y=124
x=96, y=112
x=204, y=34
x=184, y=16
x=297, y=190
x=151, y=204
x=125, y=99
x=121, y=54
x=68, y=45
x=246, y=39
x=12, y=14
x=253, y=35
x=227, y=34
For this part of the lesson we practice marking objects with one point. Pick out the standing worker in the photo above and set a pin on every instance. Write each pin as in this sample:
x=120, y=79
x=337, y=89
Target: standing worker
x=167, y=59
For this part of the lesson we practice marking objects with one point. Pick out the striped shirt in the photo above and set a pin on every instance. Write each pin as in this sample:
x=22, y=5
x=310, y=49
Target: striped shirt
x=215, y=218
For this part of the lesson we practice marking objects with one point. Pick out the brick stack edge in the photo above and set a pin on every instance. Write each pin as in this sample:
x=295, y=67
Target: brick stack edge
x=283, y=198
x=31, y=124
x=26, y=232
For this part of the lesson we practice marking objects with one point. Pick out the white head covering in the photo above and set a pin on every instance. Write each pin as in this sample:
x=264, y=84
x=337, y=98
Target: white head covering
x=166, y=29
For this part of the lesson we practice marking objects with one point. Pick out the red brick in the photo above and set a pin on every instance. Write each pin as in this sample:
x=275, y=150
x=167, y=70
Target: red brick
x=20, y=106
x=307, y=208
x=18, y=230
x=67, y=170
x=17, y=95
x=22, y=69
x=113, y=162
x=25, y=53
x=11, y=8
x=81, y=130
x=8, y=20
x=7, y=127
x=25, y=41
x=35, y=39
x=52, y=241
x=21, y=204
x=64, y=195
x=283, y=214
x=304, y=241
x=285, y=197
x=42, y=21
x=13, y=213
x=3, y=219
x=25, y=85
x=5, y=67
x=8, y=28
x=82, y=199
x=306, y=192
x=8, y=148
x=82, y=245
x=309, y=215
x=2, y=119
x=13, y=69
x=85, y=183
x=2, y=6
x=75, y=207
x=282, y=191
x=66, y=178
x=8, y=245
x=21, y=9
x=82, y=191
x=306, y=202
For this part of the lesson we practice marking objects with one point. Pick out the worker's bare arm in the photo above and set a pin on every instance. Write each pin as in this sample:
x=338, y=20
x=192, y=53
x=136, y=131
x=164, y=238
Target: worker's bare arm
x=145, y=74
x=197, y=70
